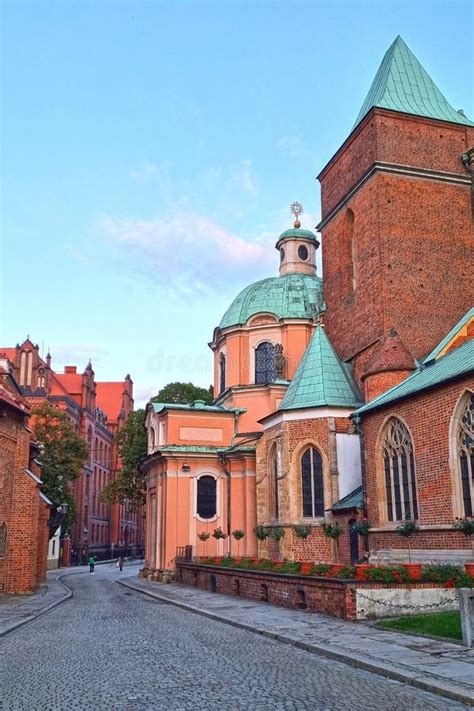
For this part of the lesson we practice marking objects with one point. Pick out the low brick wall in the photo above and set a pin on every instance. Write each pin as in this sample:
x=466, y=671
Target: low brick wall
x=337, y=598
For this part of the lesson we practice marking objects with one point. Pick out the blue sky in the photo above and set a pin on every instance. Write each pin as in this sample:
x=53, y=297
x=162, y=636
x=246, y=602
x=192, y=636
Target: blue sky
x=151, y=150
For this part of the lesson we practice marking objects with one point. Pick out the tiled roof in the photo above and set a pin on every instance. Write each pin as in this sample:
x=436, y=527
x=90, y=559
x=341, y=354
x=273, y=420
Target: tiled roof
x=321, y=378
x=402, y=84
x=452, y=365
x=354, y=500
x=435, y=353
x=110, y=398
x=393, y=355
x=288, y=296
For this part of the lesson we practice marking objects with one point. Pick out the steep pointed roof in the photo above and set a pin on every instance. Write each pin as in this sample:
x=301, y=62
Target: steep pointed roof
x=393, y=355
x=321, y=378
x=402, y=84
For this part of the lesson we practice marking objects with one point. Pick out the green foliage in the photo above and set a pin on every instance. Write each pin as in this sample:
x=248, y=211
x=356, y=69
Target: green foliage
x=263, y=565
x=408, y=528
x=451, y=575
x=128, y=485
x=276, y=533
x=290, y=567
x=204, y=536
x=439, y=624
x=465, y=525
x=261, y=533
x=332, y=530
x=302, y=531
x=218, y=533
x=63, y=453
x=320, y=569
x=184, y=394
x=361, y=526
x=347, y=572
x=238, y=534
x=387, y=574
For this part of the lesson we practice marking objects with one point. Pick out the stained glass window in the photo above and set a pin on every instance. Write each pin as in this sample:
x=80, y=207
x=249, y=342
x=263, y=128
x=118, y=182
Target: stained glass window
x=312, y=483
x=465, y=435
x=399, y=472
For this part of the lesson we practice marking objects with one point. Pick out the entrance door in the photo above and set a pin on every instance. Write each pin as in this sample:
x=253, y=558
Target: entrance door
x=354, y=542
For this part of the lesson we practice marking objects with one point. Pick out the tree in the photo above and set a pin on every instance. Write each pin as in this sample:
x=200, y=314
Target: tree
x=184, y=393
x=129, y=484
x=62, y=455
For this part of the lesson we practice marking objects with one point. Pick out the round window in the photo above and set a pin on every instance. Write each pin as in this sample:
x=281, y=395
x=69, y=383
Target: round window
x=303, y=252
x=282, y=254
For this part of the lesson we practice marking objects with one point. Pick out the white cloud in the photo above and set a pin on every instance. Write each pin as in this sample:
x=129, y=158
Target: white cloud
x=77, y=354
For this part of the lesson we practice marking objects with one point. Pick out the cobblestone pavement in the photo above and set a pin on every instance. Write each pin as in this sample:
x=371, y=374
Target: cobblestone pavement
x=110, y=648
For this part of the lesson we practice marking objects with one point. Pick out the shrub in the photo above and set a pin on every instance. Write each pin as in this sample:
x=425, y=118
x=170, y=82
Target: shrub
x=361, y=526
x=204, y=536
x=386, y=574
x=290, y=567
x=451, y=575
x=347, y=572
x=302, y=531
x=320, y=569
x=332, y=530
x=238, y=534
x=261, y=533
x=264, y=565
x=218, y=533
x=276, y=533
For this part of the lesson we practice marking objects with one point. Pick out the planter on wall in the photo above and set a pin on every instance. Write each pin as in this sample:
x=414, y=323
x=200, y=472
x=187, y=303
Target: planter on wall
x=305, y=566
x=469, y=568
x=360, y=570
x=335, y=569
x=414, y=570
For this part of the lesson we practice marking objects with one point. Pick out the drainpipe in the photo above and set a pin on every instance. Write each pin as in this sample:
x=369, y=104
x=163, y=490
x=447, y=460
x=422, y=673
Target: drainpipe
x=468, y=161
x=333, y=470
x=356, y=419
x=223, y=461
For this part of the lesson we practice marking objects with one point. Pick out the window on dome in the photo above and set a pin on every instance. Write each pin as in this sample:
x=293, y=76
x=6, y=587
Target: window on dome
x=399, y=472
x=282, y=254
x=206, y=505
x=312, y=483
x=303, y=253
x=265, y=363
x=221, y=373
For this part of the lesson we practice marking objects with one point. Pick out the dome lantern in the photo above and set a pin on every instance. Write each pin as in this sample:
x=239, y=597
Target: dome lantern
x=297, y=247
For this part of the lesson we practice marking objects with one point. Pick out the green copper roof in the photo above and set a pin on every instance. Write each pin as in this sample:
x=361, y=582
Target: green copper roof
x=402, y=84
x=203, y=449
x=436, y=351
x=197, y=405
x=354, y=500
x=288, y=296
x=454, y=364
x=321, y=379
x=298, y=233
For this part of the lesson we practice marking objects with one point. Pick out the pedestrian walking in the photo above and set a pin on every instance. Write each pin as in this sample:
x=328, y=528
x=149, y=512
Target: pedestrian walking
x=120, y=563
x=91, y=562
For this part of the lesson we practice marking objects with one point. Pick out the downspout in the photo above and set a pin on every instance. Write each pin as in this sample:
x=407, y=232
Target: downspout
x=356, y=419
x=468, y=161
x=223, y=461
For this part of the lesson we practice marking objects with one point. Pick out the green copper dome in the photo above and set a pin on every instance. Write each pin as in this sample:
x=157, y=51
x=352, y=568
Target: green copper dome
x=298, y=233
x=288, y=296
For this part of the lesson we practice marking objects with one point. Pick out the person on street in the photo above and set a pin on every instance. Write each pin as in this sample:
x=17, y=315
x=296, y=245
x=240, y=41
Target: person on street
x=91, y=562
x=120, y=563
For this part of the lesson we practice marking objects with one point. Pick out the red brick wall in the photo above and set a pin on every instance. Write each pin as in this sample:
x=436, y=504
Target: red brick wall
x=428, y=418
x=412, y=237
x=378, y=383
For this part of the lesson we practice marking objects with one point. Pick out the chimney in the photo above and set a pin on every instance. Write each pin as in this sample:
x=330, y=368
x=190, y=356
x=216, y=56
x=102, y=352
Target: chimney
x=70, y=369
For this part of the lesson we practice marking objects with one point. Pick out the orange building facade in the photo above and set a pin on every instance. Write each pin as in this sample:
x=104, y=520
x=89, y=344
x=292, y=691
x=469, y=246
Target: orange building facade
x=310, y=373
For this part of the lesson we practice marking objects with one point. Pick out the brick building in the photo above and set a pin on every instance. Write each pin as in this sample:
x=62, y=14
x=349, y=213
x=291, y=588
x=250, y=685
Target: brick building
x=296, y=356
x=96, y=411
x=24, y=510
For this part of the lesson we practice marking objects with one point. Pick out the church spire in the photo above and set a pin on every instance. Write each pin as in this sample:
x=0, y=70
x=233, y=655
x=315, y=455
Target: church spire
x=402, y=84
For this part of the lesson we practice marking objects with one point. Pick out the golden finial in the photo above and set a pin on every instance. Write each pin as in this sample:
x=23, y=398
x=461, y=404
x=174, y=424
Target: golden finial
x=296, y=208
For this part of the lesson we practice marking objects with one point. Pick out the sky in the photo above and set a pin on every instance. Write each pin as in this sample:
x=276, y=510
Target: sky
x=151, y=150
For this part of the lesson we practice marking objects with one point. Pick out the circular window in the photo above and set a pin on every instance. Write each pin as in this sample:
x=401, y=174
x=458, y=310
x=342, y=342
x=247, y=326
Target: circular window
x=303, y=252
x=282, y=254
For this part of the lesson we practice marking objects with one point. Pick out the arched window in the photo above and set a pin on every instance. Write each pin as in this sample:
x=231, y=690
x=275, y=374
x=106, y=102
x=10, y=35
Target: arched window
x=312, y=483
x=206, y=505
x=221, y=373
x=465, y=444
x=399, y=471
x=265, y=363
x=152, y=438
x=41, y=377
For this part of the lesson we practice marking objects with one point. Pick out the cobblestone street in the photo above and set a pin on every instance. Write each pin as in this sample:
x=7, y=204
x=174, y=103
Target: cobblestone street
x=110, y=648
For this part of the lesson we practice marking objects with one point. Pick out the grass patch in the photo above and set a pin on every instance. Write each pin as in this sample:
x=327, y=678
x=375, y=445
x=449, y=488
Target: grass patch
x=439, y=624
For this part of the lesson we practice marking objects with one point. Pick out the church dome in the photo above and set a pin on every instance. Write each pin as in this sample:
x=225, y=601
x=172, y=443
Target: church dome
x=288, y=296
x=297, y=233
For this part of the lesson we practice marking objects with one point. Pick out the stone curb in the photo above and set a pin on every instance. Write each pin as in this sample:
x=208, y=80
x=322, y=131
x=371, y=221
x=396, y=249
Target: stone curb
x=67, y=596
x=439, y=687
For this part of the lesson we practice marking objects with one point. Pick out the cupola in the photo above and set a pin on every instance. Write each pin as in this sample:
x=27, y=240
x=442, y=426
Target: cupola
x=297, y=247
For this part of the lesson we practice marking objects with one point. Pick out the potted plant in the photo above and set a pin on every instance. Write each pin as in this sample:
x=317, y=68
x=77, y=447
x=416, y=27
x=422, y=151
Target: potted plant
x=276, y=533
x=204, y=537
x=238, y=535
x=361, y=526
x=466, y=527
x=219, y=535
x=333, y=531
x=407, y=529
x=261, y=534
x=303, y=532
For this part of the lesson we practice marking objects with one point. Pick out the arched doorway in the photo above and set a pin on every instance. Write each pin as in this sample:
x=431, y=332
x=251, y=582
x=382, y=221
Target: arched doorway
x=353, y=542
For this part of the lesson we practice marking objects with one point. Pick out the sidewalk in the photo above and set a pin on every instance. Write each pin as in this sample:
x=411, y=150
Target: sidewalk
x=17, y=610
x=442, y=668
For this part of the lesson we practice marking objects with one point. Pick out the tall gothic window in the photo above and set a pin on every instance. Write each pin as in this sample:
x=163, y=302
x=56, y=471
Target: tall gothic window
x=221, y=373
x=399, y=471
x=312, y=483
x=465, y=442
x=206, y=505
x=265, y=363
